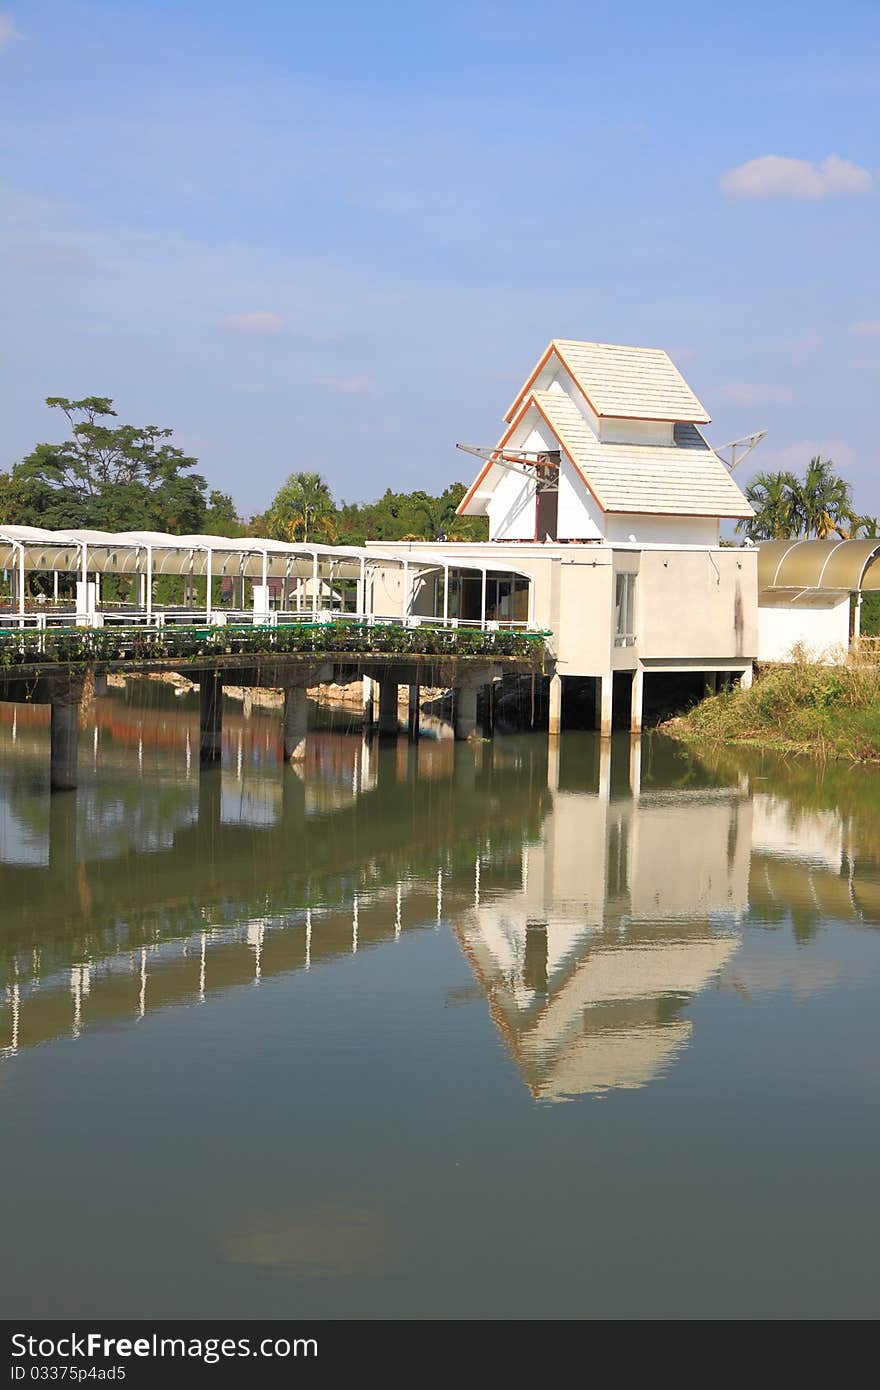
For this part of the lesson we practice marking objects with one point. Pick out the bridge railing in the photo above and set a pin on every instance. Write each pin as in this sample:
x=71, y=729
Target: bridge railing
x=338, y=636
x=42, y=618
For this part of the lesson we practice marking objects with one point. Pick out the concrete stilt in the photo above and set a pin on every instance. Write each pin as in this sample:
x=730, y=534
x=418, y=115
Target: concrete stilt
x=710, y=683
x=554, y=724
x=369, y=704
x=465, y=708
x=210, y=716
x=637, y=701
x=64, y=744
x=604, y=693
x=296, y=707
x=415, y=693
x=489, y=693
x=388, y=722
x=745, y=679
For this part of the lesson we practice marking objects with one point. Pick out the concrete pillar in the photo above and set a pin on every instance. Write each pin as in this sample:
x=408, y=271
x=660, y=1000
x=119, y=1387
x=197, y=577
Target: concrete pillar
x=210, y=716
x=604, y=693
x=296, y=707
x=64, y=744
x=489, y=693
x=465, y=711
x=710, y=684
x=554, y=725
x=637, y=701
x=388, y=707
x=369, y=703
x=745, y=679
x=415, y=693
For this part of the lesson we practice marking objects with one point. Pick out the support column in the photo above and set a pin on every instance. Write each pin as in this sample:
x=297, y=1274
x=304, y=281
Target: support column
x=745, y=679
x=489, y=692
x=637, y=701
x=554, y=724
x=465, y=711
x=710, y=684
x=369, y=704
x=413, y=712
x=296, y=707
x=604, y=693
x=64, y=743
x=388, y=724
x=210, y=716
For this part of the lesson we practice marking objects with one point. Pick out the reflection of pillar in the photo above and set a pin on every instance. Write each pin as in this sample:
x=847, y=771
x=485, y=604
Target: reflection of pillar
x=635, y=766
x=64, y=741
x=210, y=716
x=604, y=692
x=553, y=765
x=554, y=725
x=296, y=706
x=465, y=707
x=638, y=693
x=605, y=770
x=387, y=706
x=415, y=692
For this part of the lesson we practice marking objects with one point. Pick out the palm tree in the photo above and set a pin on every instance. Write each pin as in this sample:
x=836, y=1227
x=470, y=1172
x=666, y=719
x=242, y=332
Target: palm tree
x=773, y=497
x=303, y=510
x=823, y=501
x=867, y=527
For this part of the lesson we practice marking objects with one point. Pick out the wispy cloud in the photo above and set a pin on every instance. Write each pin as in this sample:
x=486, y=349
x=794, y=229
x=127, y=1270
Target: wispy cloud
x=755, y=393
x=346, y=385
x=256, y=321
x=8, y=30
x=868, y=328
x=776, y=176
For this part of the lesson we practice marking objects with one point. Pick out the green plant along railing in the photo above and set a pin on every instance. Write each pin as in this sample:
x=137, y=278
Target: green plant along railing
x=97, y=646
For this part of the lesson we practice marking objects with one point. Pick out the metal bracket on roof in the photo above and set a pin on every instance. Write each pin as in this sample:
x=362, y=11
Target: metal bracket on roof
x=739, y=449
x=540, y=466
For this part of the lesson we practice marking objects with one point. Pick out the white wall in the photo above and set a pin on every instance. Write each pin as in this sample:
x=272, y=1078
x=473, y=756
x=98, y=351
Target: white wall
x=580, y=516
x=512, y=509
x=822, y=631
x=662, y=530
x=636, y=431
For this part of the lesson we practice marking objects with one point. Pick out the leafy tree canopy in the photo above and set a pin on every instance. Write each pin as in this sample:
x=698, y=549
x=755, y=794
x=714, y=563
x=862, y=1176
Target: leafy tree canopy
x=109, y=477
x=819, y=504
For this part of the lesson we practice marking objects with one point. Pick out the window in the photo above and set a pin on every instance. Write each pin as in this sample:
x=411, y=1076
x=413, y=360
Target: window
x=625, y=610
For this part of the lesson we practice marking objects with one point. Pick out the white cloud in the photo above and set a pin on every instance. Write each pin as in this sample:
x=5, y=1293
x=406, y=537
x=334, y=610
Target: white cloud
x=754, y=393
x=257, y=321
x=775, y=176
x=347, y=385
x=793, y=458
x=7, y=29
x=868, y=328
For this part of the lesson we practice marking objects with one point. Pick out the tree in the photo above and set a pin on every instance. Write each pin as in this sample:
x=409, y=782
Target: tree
x=108, y=477
x=772, y=496
x=818, y=505
x=823, y=501
x=302, y=510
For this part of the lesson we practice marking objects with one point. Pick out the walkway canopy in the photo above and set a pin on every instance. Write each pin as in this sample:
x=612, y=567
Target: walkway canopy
x=808, y=568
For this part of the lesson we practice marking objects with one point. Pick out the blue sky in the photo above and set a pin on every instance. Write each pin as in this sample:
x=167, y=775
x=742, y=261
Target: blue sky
x=337, y=237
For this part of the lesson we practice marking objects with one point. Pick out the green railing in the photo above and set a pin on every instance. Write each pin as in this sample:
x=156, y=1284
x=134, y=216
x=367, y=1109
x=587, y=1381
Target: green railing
x=98, y=646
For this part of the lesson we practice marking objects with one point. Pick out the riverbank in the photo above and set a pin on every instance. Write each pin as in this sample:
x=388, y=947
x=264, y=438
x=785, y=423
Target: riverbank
x=822, y=711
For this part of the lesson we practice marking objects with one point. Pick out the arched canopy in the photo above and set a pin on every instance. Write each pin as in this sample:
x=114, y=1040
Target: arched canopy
x=817, y=566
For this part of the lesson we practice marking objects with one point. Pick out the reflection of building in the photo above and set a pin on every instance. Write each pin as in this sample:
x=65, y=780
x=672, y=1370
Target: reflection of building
x=625, y=911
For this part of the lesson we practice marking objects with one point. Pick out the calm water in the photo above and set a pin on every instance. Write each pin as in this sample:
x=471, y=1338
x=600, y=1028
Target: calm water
x=454, y=1031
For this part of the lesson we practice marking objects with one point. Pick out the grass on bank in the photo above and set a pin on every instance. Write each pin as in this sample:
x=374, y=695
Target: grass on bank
x=826, y=711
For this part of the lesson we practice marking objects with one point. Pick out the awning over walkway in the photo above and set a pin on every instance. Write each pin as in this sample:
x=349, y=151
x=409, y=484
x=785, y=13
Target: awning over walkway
x=815, y=566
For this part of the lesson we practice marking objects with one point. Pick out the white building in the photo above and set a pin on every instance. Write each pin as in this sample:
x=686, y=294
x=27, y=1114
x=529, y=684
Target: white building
x=603, y=491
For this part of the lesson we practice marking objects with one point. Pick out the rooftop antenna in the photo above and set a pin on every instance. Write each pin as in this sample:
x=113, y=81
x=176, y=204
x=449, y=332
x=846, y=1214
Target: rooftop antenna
x=734, y=453
x=539, y=465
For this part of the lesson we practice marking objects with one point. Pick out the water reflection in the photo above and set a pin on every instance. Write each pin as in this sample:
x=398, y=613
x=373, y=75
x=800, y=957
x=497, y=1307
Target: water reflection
x=595, y=890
